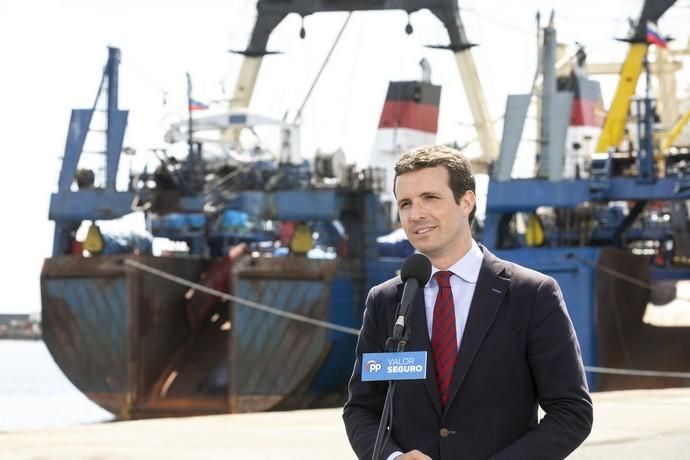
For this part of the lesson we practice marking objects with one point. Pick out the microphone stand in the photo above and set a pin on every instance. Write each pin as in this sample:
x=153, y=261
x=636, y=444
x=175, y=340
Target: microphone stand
x=387, y=413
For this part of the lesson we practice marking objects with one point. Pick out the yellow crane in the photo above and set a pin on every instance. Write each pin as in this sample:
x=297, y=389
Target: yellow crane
x=614, y=126
x=675, y=131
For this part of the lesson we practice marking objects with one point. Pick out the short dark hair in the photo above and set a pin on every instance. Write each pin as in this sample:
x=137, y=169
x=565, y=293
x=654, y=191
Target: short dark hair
x=460, y=176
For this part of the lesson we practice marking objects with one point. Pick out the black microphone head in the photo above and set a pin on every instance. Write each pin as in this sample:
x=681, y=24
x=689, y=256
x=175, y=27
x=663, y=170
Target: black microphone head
x=418, y=267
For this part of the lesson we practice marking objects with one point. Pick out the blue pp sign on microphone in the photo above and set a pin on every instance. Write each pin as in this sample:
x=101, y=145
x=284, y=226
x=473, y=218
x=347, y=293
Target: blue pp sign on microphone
x=406, y=365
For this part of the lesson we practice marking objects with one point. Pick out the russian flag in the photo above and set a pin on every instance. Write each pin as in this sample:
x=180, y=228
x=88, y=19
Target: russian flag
x=653, y=35
x=197, y=105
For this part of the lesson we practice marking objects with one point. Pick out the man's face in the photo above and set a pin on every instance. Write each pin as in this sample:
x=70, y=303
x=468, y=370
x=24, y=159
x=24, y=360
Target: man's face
x=434, y=223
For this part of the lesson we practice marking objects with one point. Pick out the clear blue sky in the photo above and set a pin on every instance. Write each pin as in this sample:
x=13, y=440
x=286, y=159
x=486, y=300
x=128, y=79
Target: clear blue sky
x=53, y=52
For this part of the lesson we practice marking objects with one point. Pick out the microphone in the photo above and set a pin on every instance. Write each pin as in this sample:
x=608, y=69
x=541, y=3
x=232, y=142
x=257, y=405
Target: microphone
x=415, y=272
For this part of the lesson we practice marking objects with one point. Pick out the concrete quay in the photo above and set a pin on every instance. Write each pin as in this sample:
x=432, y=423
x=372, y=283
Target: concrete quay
x=628, y=424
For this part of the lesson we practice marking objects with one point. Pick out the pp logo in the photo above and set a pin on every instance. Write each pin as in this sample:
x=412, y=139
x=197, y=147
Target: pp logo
x=373, y=366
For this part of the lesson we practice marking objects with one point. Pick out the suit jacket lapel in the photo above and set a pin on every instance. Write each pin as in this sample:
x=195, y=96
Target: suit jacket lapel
x=419, y=341
x=491, y=287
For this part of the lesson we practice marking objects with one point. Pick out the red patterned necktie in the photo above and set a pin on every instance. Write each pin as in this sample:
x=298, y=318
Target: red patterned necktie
x=443, y=335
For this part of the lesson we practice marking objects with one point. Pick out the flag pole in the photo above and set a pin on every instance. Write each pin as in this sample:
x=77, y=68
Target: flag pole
x=646, y=148
x=190, y=130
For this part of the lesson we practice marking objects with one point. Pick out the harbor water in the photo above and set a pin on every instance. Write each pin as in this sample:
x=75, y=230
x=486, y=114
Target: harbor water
x=34, y=393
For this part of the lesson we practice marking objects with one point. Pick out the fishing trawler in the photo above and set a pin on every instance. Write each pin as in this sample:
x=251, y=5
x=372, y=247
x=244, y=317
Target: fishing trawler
x=261, y=307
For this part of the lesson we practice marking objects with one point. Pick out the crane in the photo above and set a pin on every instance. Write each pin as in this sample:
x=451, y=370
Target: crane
x=614, y=126
x=272, y=12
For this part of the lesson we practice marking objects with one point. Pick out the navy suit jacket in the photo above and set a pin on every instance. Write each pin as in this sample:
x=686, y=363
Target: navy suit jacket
x=518, y=351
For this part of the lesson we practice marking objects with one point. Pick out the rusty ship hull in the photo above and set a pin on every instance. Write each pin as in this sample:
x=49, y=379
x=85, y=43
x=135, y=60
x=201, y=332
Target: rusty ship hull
x=123, y=337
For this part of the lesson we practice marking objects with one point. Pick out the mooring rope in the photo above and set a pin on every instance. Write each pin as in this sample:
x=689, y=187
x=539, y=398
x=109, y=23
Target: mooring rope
x=248, y=303
x=352, y=331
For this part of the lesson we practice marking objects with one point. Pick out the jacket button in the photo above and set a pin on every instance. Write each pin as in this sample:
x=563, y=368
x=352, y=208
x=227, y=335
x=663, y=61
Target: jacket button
x=444, y=432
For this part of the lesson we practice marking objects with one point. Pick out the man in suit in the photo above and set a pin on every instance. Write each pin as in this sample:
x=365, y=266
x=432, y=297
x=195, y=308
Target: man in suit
x=499, y=339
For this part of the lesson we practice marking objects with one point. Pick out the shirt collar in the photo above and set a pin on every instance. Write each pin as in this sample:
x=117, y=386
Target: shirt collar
x=467, y=267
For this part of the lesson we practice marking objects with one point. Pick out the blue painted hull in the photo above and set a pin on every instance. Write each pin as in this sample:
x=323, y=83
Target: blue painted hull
x=607, y=312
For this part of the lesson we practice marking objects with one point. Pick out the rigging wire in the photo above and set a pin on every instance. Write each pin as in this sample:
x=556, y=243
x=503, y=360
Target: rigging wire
x=298, y=115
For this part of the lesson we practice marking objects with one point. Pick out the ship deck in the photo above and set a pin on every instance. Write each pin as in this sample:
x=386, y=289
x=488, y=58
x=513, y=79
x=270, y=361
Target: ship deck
x=628, y=424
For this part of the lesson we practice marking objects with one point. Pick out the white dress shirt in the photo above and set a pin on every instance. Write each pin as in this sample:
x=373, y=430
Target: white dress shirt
x=462, y=283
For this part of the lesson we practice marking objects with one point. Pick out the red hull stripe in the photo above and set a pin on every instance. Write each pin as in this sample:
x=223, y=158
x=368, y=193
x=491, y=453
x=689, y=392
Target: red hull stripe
x=408, y=114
